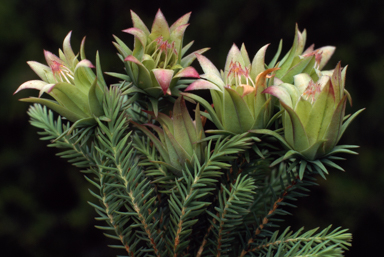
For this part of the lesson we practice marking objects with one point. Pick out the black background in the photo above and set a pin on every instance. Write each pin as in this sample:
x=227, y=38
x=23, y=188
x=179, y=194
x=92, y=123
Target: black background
x=43, y=209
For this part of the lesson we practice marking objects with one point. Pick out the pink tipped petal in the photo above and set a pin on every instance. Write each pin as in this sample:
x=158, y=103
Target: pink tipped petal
x=188, y=72
x=138, y=23
x=187, y=60
x=202, y=84
x=245, y=55
x=46, y=89
x=258, y=62
x=234, y=55
x=40, y=69
x=164, y=78
x=207, y=65
x=32, y=84
x=177, y=35
x=277, y=81
x=181, y=21
x=326, y=54
x=68, y=52
x=214, y=79
x=139, y=34
x=131, y=58
x=82, y=46
x=323, y=81
x=337, y=83
x=160, y=26
x=280, y=93
x=85, y=63
x=301, y=39
x=309, y=50
x=52, y=59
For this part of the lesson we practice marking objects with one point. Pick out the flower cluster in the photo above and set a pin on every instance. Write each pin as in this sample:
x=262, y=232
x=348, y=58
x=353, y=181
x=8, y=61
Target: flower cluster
x=313, y=100
x=244, y=94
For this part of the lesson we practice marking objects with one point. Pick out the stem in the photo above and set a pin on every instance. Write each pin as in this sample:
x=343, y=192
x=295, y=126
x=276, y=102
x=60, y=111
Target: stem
x=145, y=224
x=266, y=220
x=183, y=211
x=136, y=207
x=201, y=249
x=179, y=229
x=117, y=230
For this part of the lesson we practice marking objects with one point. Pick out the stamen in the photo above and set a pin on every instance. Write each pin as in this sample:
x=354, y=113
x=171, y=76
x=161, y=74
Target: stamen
x=318, y=56
x=60, y=72
x=312, y=90
x=164, y=52
x=63, y=72
x=238, y=72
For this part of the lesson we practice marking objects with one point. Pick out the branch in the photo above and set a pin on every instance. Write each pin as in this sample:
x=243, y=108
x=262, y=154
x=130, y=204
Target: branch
x=266, y=218
x=324, y=243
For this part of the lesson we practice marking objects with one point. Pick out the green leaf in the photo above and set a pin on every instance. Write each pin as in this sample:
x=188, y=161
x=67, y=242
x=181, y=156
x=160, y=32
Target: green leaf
x=123, y=49
x=68, y=52
x=300, y=139
x=320, y=116
x=144, y=77
x=183, y=128
x=236, y=117
x=71, y=98
x=94, y=104
x=138, y=23
x=297, y=69
x=187, y=60
x=160, y=27
x=100, y=77
x=347, y=122
x=258, y=62
x=208, y=66
x=208, y=107
x=83, y=78
x=160, y=147
x=272, y=133
x=72, y=116
x=276, y=56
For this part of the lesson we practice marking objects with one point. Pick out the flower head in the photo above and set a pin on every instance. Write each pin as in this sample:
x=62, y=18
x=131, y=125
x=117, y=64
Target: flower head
x=238, y=103
x=72, y=84
x=314, y=112
x=156, y=62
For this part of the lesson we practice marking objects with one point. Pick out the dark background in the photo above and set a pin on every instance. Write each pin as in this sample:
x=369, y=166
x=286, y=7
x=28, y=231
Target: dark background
x=43, y=209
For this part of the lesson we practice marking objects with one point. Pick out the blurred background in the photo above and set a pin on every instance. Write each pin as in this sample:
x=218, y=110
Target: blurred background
x=43, y=209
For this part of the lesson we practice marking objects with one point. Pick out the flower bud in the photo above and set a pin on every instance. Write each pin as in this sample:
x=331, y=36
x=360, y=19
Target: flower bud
x=179, y=137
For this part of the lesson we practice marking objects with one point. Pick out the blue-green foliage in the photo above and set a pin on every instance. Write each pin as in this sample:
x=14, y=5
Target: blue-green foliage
x=230, y=205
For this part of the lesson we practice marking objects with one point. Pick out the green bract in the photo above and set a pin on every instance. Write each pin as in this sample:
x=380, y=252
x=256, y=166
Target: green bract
x=73, y=85
x=236, y=92
x=296, y=61
x=179, y=142
x=156, y=62
x=314, y=118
